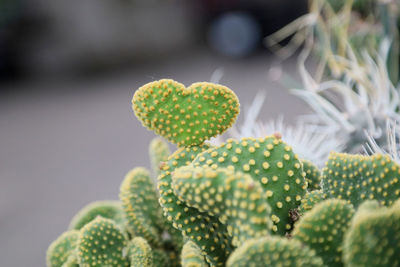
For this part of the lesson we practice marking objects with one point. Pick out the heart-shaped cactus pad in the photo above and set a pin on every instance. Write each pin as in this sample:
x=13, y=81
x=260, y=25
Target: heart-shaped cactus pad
x=186, y=116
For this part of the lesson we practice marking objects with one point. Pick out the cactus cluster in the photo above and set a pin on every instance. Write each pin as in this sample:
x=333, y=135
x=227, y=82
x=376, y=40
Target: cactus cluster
x=245, y=202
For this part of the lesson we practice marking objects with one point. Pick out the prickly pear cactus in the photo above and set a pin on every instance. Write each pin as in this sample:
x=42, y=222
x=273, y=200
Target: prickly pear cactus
x=374, y=237
x=323, y=228
x=357, y=178
x=192, y=256
x=159, y=153
x=140, y=253
x=233, y=197
x=185, y=116
x=268, y=161
x=313, y=175
x=218, y=206
x=62, y=250
x=101, y=243
x=310, y=199
x=274, y=251
x=206, y=231
x=110, y=209
x=141, y=206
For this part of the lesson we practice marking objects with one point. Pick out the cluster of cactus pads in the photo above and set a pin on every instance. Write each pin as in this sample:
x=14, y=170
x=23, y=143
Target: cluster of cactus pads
x=248, y=202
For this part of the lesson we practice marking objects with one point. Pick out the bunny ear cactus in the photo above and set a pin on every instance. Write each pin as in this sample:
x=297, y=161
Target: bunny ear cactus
x=185, y=116
x=313, y=174
x=62, y=250
x=206, y=231
x=192, y=256
x=357, y=178
x=323, y=228
x=140, y=253
x=141, y=206
x=221, y=204
x=273, y=251
x=107, y=209
x=373, y=239
x=310, y=199
x=102, y=243
x=159, y=153
x=233, y=197
x=270, y=162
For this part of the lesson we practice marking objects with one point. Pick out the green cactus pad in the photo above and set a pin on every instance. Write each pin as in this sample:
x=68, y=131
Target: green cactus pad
x=313, y=175
x=101, y=243
x=373, y=239
x=159, y=153
x=139, y=200
x=357, y=178
x=192, y=256
x=270, y=162
x=323, y=228
x=140, y=253
x=310, y=199
x=60, y=250
x=160, y=258
x=185, y=116
x=206, y=231
x=235, y=198
x=72, y=261
x=109, y=209
x=274, y=251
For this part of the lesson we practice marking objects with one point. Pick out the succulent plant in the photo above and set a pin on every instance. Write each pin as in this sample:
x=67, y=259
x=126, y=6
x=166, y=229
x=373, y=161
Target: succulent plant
x=274, y=251
x=110, y=209
x=310, y=199
x=62, y=250
x=270, y=162
x=206, y=231
x=140, y=204
x=357, y=178
x=322, y=229
x=140, y=252
x=244, y=202
x=313, y=174
x=192, y=256
x=101, y=243
x=186, y=116
x=233, y=197
x=159, y=153
x=374, y=237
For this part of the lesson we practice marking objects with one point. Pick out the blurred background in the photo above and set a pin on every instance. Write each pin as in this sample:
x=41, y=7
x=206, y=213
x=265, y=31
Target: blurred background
x=68, y=70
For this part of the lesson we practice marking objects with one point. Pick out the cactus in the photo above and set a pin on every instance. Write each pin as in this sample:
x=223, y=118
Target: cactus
x=224, y=202
x=374, y=237
x=270, y=162
x=62, y=250
x=101, y=243
x=313, y=175
x=323, y=228
x=233, y=197
x=274, y=251
x=185, y=116
x=160, y=258
x=141, y=206
x=109, y=209
x=159, y=153
x=310, y=200
x=207, y=232
x=357, y=178
x=140, y=253
x=192, y=256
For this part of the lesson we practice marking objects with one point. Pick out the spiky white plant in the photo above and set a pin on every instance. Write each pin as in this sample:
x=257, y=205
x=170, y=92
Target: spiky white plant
x=362, y=100
x=392, y=142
